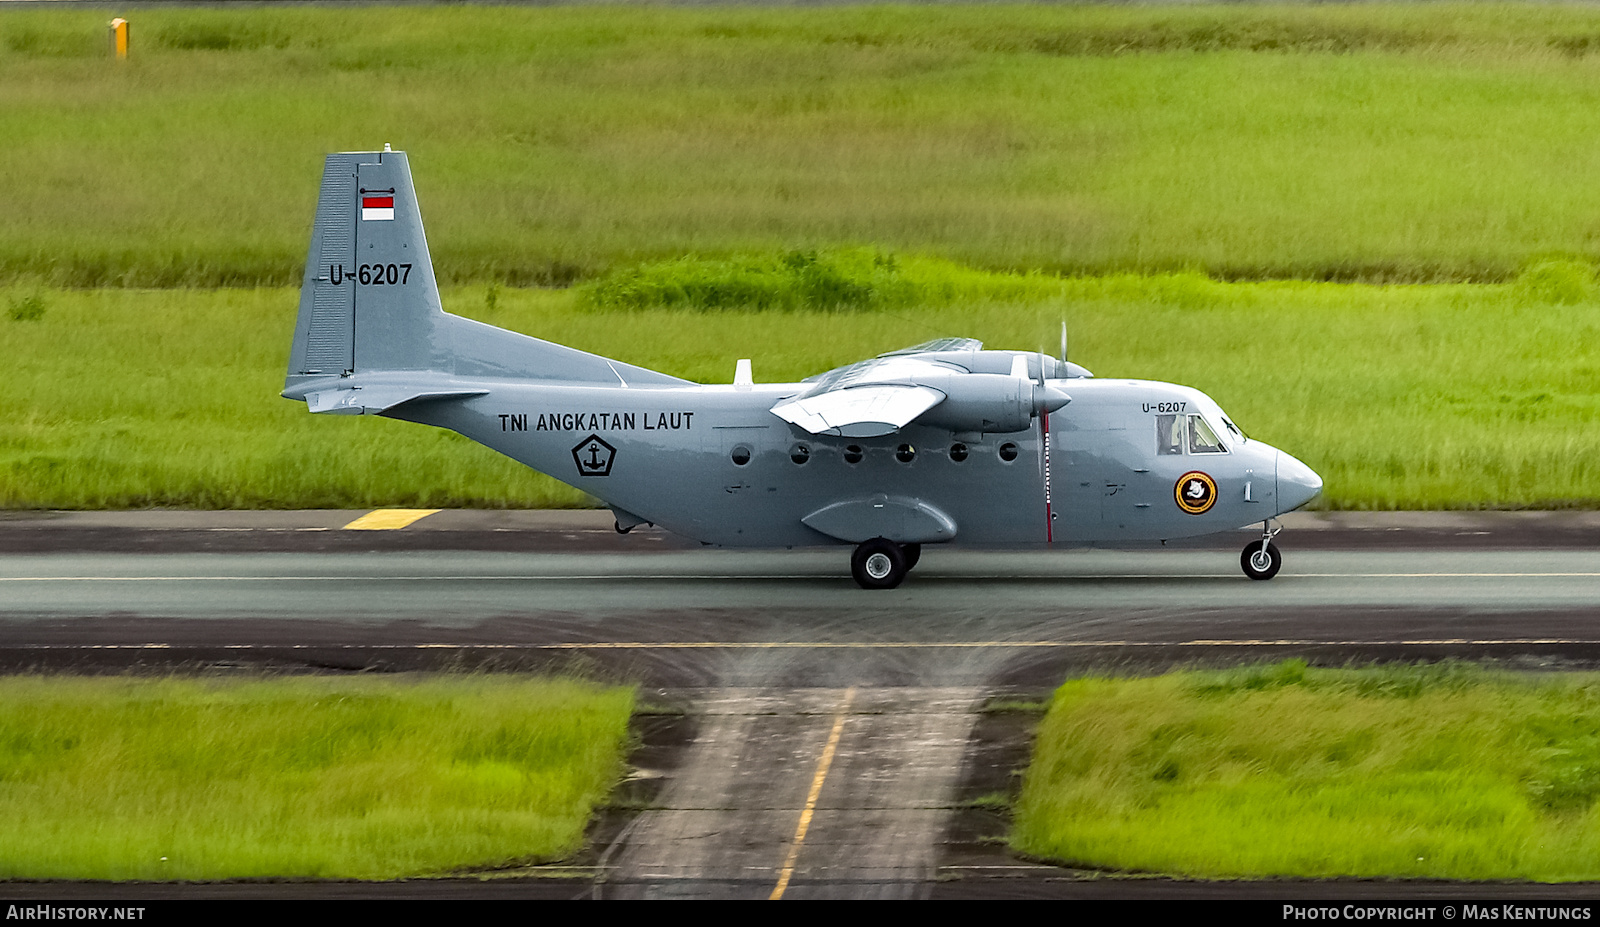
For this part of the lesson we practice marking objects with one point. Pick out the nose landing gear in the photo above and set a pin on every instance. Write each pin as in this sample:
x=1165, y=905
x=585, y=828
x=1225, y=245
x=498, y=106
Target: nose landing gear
x=1261, y=559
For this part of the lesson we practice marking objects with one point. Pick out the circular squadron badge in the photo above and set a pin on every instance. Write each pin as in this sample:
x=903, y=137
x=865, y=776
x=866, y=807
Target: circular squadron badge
x=1195, y=492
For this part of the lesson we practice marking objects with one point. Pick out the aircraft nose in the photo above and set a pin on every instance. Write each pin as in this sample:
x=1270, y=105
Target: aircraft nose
x=1297, y=483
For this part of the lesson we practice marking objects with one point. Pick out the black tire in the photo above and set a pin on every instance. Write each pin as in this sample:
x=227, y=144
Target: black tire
x=878, y=564
x=913, y=553
x=1251, y=559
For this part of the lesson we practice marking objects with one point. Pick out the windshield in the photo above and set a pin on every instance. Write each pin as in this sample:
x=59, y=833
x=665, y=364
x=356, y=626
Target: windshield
x=1192, y=434
x=1202, y=440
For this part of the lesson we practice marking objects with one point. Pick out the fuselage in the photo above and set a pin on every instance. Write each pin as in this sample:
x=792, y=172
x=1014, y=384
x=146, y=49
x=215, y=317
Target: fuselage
x=943, y=442
x=1129, y=461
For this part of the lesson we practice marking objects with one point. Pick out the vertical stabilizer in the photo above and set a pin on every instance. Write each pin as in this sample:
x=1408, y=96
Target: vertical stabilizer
x=369, y=303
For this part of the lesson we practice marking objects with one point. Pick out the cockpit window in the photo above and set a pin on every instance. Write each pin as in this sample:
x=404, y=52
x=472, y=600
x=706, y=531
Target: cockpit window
x=1169, y=434
x=1202, y=440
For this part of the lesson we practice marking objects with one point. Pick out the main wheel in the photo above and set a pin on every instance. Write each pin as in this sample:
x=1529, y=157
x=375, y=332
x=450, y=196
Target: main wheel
x=1258, y=563
x=878, y=564
x=913, y=553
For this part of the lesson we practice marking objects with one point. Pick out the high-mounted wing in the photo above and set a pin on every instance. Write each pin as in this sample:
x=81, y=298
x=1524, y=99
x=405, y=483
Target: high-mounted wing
x=938, y=344
x=868, y=399
x=883, y=395
x=861, y=412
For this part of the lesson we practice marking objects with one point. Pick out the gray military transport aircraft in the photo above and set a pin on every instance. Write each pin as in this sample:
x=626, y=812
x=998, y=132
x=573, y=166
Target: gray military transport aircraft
x=942, y=443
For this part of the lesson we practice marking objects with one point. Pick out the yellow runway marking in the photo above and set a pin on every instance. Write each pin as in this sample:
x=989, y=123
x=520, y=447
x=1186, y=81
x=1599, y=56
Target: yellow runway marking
x=388, y=519
x=811, y=799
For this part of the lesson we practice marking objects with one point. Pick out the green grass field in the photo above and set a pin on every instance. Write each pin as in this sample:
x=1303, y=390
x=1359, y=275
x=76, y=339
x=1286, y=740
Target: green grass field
x=675, y=160
x=1374, y=141
x=1443, y=396
x=1441, y=772
x=185, y=779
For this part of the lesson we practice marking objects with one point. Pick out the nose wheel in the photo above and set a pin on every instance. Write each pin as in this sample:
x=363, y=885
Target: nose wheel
x=881, y=563
x=1260, y=559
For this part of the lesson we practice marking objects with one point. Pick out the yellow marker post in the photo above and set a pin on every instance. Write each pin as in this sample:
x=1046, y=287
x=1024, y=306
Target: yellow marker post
x=388, y=519
x=119, y=38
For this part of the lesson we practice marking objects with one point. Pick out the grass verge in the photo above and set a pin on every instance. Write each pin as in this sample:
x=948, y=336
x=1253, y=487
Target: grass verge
x=1399, y=142
x=1440, y=772
x=1402, y=397
x=181, y=779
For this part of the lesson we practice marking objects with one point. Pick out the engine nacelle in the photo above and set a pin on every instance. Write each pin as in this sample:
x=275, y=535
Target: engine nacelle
x=993, y=403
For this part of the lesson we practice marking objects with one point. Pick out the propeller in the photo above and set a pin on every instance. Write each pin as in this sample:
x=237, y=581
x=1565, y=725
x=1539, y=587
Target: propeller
x=1069, y=369
x=1045, y=408
x=1046, y=398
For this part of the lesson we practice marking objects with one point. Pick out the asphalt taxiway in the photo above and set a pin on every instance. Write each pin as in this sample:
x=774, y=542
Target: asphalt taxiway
x=831, y=735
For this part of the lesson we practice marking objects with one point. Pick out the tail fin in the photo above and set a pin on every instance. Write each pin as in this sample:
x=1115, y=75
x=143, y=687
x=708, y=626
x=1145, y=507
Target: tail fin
x=368, y=272
x=369, y=302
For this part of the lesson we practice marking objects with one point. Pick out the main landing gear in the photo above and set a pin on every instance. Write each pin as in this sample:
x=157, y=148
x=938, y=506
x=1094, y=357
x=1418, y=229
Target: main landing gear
x=1261, y=559
x=882, y=564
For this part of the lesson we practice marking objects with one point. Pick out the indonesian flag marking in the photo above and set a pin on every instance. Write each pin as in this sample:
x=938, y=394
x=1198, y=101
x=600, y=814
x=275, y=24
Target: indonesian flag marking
x=380, y=208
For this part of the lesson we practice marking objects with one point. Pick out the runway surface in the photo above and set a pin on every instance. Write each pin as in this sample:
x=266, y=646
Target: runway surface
x=831, y=737
x=715, y=618
x=454, y=589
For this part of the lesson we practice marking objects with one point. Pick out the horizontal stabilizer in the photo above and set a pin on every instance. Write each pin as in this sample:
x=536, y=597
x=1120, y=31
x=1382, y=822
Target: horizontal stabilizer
x=859, y=412
x=377, y=400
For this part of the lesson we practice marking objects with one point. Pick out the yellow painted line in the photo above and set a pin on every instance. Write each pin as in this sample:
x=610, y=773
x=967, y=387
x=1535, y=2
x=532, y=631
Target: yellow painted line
x=876, y=645
x=1002, y=645
x=388, y=519
x=811, y=798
